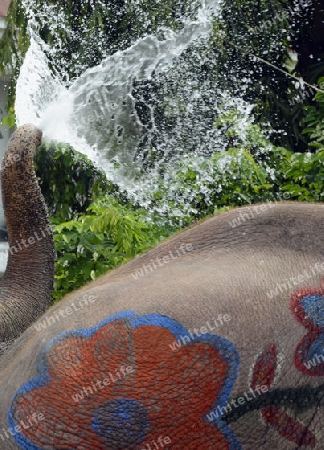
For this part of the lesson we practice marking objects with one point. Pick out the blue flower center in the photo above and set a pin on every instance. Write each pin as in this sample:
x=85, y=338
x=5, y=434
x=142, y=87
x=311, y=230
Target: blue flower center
x=121, y=423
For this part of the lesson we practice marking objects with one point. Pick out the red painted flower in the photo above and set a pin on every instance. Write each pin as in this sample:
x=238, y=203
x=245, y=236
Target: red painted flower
x=124, y=384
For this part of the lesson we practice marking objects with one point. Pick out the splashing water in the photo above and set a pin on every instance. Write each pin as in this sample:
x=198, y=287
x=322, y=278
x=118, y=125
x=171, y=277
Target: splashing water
x=112, y=112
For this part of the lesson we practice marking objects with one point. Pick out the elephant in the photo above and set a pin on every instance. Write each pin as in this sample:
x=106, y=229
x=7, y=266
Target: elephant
x=109, y=366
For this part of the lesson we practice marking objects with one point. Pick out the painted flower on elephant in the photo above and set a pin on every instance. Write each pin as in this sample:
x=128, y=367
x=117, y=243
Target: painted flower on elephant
x=123, y=384
x=307, y=305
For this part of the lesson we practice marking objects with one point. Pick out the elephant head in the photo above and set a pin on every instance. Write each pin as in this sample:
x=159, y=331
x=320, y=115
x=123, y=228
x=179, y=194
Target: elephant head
x=213, y=340
x=25, y=290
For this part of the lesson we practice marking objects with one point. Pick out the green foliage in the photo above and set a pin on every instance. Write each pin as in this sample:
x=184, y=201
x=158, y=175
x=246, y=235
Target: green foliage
x=250, y=169
x=302, y=175
x=314, y=121
x=242, y=132
x=13, y=46
x=105, y=237
x=10, y=120
x=69, y=180
x=196, y=186
x=247, y=36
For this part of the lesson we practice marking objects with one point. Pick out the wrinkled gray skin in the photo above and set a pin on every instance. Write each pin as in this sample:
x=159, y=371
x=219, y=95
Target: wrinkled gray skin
x=31, y=256
x=227, y=271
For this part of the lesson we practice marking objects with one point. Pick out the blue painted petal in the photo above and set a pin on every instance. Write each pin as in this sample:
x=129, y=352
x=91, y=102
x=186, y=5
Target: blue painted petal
x=313, y=306
x=316, y=350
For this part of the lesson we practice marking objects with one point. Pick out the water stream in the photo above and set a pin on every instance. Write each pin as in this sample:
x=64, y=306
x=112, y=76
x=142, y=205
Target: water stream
x=150, y=97
x=96, y=114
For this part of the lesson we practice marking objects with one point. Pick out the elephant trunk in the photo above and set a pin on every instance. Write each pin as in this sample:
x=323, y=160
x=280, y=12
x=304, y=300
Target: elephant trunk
x=26, y=288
